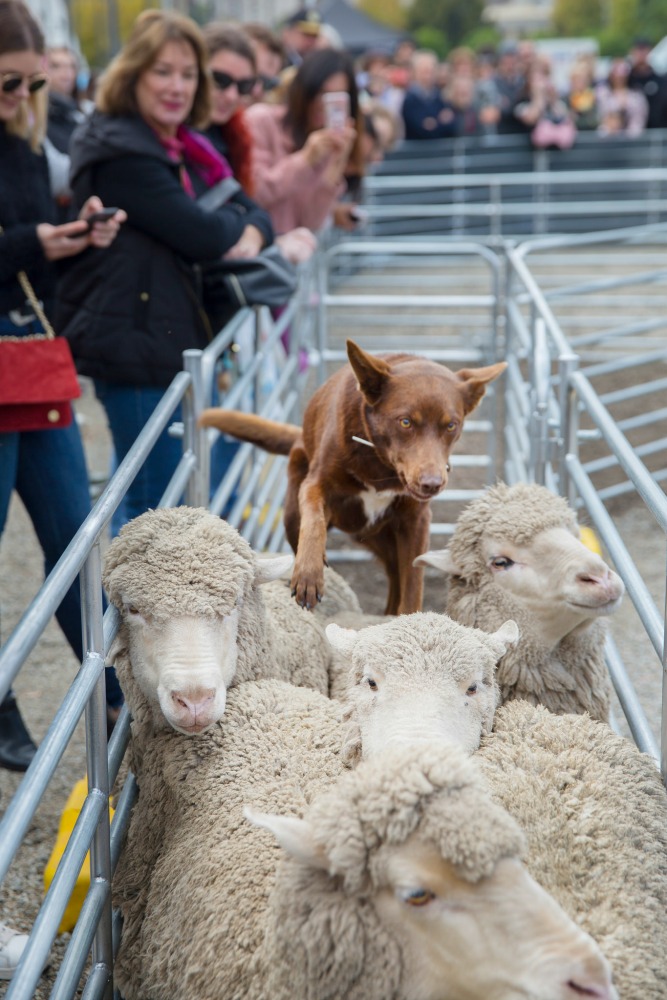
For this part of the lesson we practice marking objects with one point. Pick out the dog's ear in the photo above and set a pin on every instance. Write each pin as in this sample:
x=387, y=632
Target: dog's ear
x=372, y=373
x=474, y=382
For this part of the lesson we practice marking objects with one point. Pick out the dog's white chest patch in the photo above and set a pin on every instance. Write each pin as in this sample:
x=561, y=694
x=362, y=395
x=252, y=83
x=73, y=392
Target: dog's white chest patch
x=376, y=503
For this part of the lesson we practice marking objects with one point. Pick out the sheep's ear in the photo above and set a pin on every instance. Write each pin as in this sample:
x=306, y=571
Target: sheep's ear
x=507, y=635
x=343, y=640
x=117, y=648
x=439, y=558
x=294, y=836
x=272, y=568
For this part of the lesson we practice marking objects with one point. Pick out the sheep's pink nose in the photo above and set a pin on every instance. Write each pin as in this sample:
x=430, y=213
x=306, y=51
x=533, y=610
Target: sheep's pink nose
x=609, y=583
x=593, y=990
x=194, y=705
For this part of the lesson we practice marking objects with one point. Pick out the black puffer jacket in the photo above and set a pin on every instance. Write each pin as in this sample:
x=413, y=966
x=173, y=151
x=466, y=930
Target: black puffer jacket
x=25, y=201
x=131, y=310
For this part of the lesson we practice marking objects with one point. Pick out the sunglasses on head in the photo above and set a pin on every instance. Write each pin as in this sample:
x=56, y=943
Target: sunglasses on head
x=12, y=82
x=223, y=81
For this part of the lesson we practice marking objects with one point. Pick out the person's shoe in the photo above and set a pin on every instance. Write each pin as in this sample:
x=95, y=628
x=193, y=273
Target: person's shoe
x=16, y=746
x=11, y=948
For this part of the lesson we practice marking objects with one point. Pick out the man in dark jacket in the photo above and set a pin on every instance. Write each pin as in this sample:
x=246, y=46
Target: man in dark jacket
x=425, y=112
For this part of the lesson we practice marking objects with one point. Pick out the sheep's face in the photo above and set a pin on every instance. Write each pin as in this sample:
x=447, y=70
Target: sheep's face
x=184, y=665
x=499, y=938
x=558, y=579
x=419, y=678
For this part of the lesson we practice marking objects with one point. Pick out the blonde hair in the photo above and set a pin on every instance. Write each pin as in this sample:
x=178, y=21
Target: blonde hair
x=20, y=32
x=116, y=94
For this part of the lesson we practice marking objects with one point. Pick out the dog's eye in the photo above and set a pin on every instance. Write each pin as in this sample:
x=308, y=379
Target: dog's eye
x=502, y=562
x=472, y=689
x=451, y=426
x=405, y=422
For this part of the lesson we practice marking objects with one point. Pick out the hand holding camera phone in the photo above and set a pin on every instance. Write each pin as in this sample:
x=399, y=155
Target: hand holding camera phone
x=336, y=109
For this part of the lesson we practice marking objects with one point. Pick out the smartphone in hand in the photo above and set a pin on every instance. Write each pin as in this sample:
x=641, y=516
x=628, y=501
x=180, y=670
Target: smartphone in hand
x=102, y=216
x=336, y=109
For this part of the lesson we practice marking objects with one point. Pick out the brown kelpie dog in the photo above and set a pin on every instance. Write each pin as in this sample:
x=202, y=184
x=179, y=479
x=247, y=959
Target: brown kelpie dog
x=373, y=451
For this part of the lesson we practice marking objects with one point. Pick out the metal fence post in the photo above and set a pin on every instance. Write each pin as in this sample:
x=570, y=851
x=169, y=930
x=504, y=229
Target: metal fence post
x=194, y=437
x=569, y=423
x=97, y=762
x=540, y=377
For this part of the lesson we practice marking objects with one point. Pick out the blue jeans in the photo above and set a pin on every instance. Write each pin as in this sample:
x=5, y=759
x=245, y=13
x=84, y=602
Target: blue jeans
x=128, y=408
x=48, y=471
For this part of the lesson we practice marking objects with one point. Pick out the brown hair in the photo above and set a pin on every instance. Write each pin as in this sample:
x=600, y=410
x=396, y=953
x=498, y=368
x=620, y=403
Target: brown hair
x=20, y=32
x=152, y=30
x=264, y=36
x=220, y=37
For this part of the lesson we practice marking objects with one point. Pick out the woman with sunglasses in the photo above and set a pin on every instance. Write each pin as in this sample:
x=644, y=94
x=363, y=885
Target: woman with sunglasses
x=46, y=467
x=233, y=69
x=130, y=321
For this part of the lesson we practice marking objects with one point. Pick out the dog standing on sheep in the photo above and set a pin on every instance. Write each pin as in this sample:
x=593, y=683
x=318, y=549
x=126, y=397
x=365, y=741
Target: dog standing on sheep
x=373, y=452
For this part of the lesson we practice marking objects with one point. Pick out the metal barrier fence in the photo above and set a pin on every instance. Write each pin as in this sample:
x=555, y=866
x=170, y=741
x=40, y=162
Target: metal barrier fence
x=546, y=396
x=517, y=204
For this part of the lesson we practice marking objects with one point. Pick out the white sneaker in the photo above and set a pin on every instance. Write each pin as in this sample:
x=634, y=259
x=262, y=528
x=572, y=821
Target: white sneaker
x=11, y=948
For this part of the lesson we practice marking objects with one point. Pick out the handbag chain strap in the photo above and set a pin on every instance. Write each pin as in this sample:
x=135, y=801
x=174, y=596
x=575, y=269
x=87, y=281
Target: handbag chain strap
x=49, y=332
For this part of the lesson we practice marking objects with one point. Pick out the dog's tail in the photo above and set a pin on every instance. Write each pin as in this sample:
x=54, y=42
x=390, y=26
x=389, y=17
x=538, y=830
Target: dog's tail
x=267, y=434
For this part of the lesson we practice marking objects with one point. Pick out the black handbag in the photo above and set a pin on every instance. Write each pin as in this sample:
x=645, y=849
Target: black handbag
x=227, y=285
x=266, y=280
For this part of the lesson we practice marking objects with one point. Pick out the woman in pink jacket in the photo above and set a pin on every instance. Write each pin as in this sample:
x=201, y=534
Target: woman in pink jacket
x=299, y=161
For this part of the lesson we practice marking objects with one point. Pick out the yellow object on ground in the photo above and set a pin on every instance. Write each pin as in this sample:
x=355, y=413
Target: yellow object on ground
x=68, y=818
x=590, y=540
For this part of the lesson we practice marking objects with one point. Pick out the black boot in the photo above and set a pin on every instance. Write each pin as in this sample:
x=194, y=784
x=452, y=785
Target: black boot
x=16, y=747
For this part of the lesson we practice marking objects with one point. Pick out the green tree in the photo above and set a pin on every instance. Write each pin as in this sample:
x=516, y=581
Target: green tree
x=574, y=18
x=434, y=39
x=386, y=11
x=454, y=18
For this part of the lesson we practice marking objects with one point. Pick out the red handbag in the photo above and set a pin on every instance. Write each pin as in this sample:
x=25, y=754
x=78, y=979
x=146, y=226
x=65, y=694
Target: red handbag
x=37, y=376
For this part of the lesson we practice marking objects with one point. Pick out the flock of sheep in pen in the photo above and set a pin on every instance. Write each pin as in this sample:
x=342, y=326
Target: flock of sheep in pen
x=335, y=806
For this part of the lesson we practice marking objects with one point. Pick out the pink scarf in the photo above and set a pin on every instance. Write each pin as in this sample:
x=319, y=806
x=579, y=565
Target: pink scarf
x=194, y=152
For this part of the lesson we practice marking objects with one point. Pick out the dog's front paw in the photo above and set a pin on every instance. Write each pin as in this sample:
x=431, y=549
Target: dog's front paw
x=307, y=588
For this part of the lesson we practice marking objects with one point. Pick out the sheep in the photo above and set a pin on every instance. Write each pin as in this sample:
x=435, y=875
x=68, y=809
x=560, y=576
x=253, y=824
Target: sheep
x=592, y=807
x=594, y=812
x=515, y=553
x=350, y=913
x=194, y=620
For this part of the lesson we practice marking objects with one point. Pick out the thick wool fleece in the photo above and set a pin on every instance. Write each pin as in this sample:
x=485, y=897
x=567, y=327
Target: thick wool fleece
x=195, y=876
x=594, y=812
x=323, y=938
x=186, y=561
x=572, y=677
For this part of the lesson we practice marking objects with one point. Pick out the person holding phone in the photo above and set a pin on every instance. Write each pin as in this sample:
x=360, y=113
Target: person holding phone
x=129, y=319
x=300, y=155
x=47, y=468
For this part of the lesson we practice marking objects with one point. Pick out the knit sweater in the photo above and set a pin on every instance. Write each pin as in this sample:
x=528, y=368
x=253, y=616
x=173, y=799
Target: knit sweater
x=293, y=192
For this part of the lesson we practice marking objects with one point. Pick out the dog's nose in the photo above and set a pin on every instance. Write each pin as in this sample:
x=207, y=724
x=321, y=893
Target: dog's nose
x=431, y=485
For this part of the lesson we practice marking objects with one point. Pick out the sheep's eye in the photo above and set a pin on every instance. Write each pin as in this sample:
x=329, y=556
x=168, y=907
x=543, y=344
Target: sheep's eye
x=502, y=562
x=472, y=689
x=131, y=610
x=373, y=685
x=420, y=897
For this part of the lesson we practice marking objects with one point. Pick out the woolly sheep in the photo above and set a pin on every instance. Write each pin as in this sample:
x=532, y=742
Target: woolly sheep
x=516, y=553
x=593, y=808
x=594, y=812
x=418, y=677
x=351, y=912
x=194, y=620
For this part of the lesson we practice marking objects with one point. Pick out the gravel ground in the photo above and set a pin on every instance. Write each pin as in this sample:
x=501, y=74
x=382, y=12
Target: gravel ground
x=49, y=670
